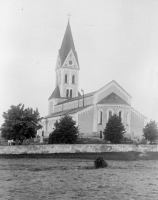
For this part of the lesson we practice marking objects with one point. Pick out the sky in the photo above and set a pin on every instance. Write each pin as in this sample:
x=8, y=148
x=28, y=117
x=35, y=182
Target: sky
x=114, y=40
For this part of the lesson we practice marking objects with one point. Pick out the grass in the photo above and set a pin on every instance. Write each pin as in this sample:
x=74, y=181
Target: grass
x=122, y=156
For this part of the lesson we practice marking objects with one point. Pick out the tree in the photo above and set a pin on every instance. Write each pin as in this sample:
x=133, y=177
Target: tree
x=151, y=131
x=65, y=131
x=114, y=130
x=19, y=123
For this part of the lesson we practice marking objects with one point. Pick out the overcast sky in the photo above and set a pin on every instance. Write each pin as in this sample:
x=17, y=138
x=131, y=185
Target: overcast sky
x=114, y=39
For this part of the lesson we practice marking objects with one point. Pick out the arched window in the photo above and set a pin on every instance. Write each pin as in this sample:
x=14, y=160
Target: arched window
x=73, y=79
x=120, y=114
x=67, y=92
x=65, y=78
x=109, y=113
x=70, y=93
x=100, y=116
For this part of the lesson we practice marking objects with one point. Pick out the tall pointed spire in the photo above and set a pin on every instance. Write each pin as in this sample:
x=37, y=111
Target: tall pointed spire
x=67, y=45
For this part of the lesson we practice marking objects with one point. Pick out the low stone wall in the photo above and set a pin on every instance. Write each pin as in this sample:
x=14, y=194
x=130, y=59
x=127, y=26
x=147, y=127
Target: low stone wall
x=77, y=148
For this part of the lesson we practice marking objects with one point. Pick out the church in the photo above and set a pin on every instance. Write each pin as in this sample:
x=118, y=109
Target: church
x=90, y=111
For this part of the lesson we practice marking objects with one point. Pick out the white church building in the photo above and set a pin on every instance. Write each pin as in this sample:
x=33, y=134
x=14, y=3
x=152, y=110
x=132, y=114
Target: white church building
x=90, y=111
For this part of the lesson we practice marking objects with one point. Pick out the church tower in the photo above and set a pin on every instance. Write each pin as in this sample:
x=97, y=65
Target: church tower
x=67, y=71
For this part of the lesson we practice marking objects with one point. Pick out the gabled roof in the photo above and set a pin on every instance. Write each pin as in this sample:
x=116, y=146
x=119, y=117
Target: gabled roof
x=113, y=99
x=113, y=81
x=134, y=110
x=76, y=98
x=65, y=112
x=55, y=94
x=67, y=45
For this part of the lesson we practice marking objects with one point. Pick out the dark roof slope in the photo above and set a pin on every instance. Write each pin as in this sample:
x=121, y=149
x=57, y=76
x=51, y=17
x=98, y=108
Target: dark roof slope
x=65, y=112
x=55, y=94
x=113, y=99
x=67, y=45
x=77, y=98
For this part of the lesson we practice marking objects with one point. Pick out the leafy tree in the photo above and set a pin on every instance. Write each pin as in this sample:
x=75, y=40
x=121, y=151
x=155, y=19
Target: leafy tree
x=114, y=130
x=19, y=123
x=65, y=131
x=151, y=131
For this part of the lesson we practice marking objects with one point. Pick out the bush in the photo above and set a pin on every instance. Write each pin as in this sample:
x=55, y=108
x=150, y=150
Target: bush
x=151, y=131
x=114, y=130
x=65, y=132
x=100, y=163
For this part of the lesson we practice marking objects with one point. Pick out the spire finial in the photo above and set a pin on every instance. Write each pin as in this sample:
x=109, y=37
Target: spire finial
x=68, y=16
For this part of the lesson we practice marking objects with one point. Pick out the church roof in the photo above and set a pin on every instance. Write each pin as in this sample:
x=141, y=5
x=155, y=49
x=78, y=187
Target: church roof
x=55, y=94
x=65, y=112
x=67, y=45
x=77, y=98
x=113, y=99
x=113, y=81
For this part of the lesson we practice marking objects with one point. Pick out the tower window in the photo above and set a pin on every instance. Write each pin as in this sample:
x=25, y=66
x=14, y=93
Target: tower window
x=65, y=78
x=67, y=92
x=73, y=79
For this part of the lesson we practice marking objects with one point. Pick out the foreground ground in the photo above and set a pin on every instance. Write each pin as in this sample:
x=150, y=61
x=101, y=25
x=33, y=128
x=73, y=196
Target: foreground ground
x=66, y=179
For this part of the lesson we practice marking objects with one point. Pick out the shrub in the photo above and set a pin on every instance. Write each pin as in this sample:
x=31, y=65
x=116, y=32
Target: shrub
x=114, y=130
x=151, y=131
x=65, y=132
x=100, y=163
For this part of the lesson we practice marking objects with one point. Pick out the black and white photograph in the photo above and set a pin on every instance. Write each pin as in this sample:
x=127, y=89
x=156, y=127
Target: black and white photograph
x=79, y=99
